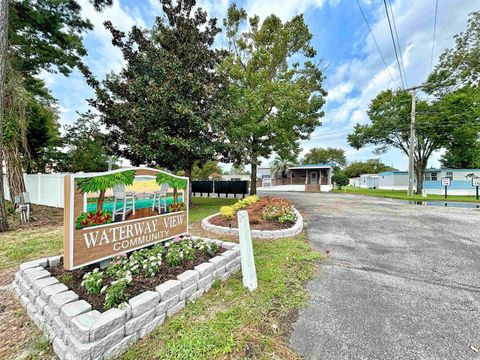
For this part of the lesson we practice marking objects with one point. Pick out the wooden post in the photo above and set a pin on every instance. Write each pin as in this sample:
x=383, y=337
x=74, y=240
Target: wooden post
x=246, y=251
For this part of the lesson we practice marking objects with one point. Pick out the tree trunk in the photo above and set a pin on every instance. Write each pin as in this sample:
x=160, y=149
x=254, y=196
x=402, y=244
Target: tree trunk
x=188, y=173
x=420, y=168
x=16, y=182
x=175, y=195
x=3, y=59
x=253, y=178
x=101, y=198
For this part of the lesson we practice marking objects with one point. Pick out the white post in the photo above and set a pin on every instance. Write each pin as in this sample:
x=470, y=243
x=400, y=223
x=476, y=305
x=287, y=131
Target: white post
x=246, y=251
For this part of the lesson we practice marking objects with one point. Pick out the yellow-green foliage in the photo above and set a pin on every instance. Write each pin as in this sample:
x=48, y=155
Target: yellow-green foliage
x=228, y=212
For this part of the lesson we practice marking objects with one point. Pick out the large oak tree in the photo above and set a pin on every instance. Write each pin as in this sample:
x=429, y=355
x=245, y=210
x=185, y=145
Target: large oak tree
x=165, y=107
x=276, y=87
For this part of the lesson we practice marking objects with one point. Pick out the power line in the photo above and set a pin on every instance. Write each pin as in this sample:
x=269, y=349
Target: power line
x=375, y=40
x=434, y=33
x=398, y=42
x=393, y=40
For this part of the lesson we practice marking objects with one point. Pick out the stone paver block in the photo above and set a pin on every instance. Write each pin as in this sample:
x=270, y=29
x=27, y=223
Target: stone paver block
x=108, y=322
x=31, y=295
x=54, y=260
x=187, y=292
x=196, y=295
x=60, y=348
x=205, y=269
x=82, y=324
x=24, y=287
x=78, y=349
x=168, y=289
x=172, y=301
x=152, y=325
x=48, y=291
x=173, y=310
x=70, y=310
x=35, y=275
x=31, y=264
x=107, y=342
x=225, y=276
x=24, y=300
x=135, y=324
x=120, y=347
x=144, y=302
x=204, y=281
x=48, y=313
x=161, y=308
x=218, y=261
x=39, y=284
x=236, y=268
x=40, y=304
x=230, y=255
x=228, y=245
x=31, y=309
x=58, y=300
x=230, y=265
x=59, y=326
x=188, y=278
x=219, y=273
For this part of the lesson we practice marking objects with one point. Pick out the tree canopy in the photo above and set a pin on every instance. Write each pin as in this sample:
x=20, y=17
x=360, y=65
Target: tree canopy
x=164, y=108
x=325, y=155
x=276, y=87
x=389, y=113
x=371, y=166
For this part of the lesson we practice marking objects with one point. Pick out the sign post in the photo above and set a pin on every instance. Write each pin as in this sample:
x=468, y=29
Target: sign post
x=446, y=182
x=476, y=184
x=116, y=212
x=246, y=251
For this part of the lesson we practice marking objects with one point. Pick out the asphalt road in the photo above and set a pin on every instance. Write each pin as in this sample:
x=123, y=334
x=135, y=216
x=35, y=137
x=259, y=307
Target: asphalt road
x=400, y=281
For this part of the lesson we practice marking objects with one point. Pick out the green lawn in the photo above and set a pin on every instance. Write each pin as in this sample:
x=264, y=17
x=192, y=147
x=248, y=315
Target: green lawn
x=402, y=194
x=203, y=206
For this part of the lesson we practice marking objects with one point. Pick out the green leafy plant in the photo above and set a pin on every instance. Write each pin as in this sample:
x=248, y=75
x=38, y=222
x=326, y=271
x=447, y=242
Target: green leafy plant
x=279, y=210
x=116, y=293
x=93, y=218
x=92, y=282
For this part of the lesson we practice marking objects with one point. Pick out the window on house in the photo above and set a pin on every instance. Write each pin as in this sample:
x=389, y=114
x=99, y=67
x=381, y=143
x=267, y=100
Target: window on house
x=265, y=176
x=427, y=177
x=450, y=174
x=434, y=176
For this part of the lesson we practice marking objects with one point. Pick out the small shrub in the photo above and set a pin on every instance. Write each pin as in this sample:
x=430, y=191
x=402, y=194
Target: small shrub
x=66, y=278
x=279, y=210
x=228, y=212
x=151, y=265
x=116, y=293
x=92, y=282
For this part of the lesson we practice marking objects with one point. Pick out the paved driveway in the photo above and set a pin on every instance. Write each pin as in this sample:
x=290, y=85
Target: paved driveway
x=400, y=282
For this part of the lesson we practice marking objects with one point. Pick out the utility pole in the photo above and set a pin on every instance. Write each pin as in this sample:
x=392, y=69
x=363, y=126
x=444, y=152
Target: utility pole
x=411, y=150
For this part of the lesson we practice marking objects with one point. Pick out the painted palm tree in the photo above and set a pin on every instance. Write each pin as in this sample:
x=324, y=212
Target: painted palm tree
x=173, y=182
x=280, y=166
x=102, y=183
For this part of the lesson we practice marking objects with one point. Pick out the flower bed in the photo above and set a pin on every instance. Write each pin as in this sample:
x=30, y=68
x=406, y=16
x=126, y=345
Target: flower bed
x=269, y=218
x=68, y=305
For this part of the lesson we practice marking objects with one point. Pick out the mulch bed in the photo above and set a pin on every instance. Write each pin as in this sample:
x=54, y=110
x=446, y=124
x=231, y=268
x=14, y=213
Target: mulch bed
x=255, y=217
x=73, y=279
x=40, y=217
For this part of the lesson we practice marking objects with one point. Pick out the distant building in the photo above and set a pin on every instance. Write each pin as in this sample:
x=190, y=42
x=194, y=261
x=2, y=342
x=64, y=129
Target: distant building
x=398, y=180
x=309, y=177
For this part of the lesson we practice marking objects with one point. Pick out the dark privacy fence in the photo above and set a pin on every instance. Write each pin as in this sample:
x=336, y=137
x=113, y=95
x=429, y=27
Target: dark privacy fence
x=220, y=187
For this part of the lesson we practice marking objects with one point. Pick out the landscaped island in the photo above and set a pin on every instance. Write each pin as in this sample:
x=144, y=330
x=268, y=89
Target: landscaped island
x=269, y=218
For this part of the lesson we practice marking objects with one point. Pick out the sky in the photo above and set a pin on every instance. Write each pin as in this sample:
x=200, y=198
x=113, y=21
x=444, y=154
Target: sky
x=352, y=64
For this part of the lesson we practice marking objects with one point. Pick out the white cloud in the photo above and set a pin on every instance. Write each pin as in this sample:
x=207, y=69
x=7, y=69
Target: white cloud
x=339, y=92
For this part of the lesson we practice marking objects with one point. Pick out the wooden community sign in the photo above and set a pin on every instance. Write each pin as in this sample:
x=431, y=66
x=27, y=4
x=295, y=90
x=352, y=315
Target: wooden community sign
x=115, y=212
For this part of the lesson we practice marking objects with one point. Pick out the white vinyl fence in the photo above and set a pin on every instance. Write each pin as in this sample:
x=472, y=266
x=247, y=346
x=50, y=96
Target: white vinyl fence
x=43, y=189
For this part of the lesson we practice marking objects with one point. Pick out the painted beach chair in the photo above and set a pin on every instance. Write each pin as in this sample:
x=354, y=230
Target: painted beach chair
x=126, y=198
x=160, y=198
